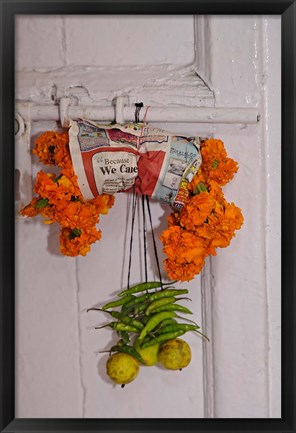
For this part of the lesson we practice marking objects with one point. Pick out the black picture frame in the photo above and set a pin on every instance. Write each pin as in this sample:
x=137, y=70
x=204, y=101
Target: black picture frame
x=8, y=9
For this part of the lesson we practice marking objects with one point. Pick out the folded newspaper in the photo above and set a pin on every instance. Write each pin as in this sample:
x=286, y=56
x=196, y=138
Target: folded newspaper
x=115, y=158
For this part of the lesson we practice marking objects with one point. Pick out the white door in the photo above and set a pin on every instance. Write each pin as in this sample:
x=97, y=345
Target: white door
x=236, y=300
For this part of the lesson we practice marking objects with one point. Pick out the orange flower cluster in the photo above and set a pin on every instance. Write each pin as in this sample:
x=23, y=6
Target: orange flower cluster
x=207, y=221
x=60, y=199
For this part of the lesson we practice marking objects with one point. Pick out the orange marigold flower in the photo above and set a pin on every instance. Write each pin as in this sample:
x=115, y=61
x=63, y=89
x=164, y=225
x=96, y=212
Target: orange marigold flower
x=216, y=235
x=70, y=174
x=197, y=179
x=196, y=210
x=30, y=210
x=212, y=147
x=103, y=203
x=171, y=235
x=51, y=213
x=185, y=272
x=57, y=194
x=220, y=227
x=52, y=148
x=74, y=242
x=234, y=216
x=66, y=183
x=216, y=192
x=185, y=253
x=224, y=172
x=215, y=163
x=77, y=214
x=174, y=219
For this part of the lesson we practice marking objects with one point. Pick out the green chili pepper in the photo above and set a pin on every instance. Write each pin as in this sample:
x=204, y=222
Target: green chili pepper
x=119, y=326
x=136, y=300
x=162, y=338
x=125, y=337
x=177, y=327
x=172, y=307
x=167, y=322
x=129, y=306
x=187, y=320
x=118, y=303
x=142, y=318
x=135, y=310
x=159, y=303
x=128, y=349
x=154, y=321
x=203, y=335
x=167, y=292
x=128, y=320
x=195, y=324
x=122, y=317
x=144, y=286
x=140, y=309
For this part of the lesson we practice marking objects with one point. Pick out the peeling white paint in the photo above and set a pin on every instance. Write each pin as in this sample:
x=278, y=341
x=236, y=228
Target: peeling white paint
x=153, y=85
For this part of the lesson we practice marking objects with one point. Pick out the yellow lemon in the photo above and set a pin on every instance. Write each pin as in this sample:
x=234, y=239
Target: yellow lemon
x=122, y=368
x=149, y=354
x=174, y=354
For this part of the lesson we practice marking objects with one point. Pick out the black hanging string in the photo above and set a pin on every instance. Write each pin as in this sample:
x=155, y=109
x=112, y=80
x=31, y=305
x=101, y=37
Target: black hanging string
x=134, y=206
x=154, y=243
x=144, y=238
x=138, y=105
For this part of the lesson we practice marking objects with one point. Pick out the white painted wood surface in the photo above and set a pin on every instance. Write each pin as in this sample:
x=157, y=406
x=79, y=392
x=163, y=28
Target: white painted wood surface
x=245, y=71
x=238, y=374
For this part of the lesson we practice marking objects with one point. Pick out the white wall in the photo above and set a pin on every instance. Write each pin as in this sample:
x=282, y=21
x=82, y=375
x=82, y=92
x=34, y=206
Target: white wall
x=150, y=59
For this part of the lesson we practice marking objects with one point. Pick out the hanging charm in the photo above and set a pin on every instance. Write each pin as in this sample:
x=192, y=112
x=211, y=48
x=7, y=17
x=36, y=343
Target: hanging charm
x=186, y=173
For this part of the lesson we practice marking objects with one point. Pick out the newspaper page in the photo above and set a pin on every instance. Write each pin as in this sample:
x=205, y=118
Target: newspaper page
x=114, y=158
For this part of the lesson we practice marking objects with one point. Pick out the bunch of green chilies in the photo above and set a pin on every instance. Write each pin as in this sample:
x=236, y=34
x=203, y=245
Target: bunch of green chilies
x=147, y=316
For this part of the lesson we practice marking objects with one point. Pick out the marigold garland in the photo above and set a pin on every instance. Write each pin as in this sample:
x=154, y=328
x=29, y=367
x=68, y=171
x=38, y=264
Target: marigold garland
x=207, y=221
x=60, y=199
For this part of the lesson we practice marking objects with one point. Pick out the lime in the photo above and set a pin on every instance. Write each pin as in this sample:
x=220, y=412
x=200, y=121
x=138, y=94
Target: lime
x=174, y=354
x=122, y=368
x=149, y=354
